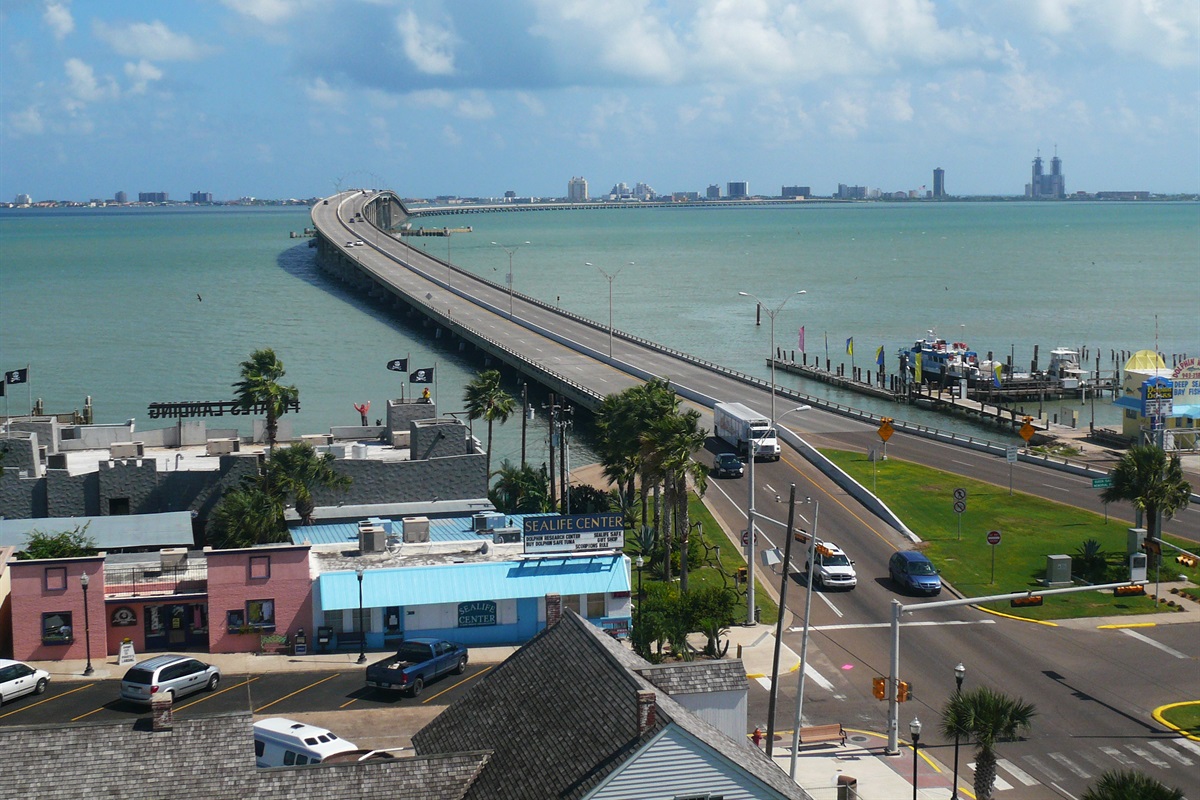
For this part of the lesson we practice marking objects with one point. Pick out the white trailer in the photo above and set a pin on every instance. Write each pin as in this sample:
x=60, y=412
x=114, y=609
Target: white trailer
x=736, y=425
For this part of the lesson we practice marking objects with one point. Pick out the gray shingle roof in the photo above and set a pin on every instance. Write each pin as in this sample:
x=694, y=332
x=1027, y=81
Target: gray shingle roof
x=560, y=715
x=694, y=677
x=208, y=758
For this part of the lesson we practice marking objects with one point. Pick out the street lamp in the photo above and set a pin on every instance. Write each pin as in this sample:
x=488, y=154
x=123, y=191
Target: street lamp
x=914, y=729
x=960, y=672
x=362, y=632
x=84, y=580
x=772, y=314
x=610, y=283
x=637, y=623
x=510, y=251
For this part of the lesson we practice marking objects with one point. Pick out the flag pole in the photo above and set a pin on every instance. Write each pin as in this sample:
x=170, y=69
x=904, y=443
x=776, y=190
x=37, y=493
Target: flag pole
x=435, y=392
x=29, y=385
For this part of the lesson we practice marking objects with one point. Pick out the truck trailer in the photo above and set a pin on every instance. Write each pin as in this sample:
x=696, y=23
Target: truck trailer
x=736, y=425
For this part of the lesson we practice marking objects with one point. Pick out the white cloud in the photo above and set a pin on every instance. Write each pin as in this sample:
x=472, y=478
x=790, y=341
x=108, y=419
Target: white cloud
x=319, y=91
x=268, y=12
x=58, y=17
x=84, y=87
x=140, y=75
x=475, y=106
x=150, y=40
x=428, y=47
x=1165, y=32
x=621, y=37
x=26, y=123
x=451, y=136
x=532, y=103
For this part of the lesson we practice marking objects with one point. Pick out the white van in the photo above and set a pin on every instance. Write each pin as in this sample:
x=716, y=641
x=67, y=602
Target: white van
x=282, y=742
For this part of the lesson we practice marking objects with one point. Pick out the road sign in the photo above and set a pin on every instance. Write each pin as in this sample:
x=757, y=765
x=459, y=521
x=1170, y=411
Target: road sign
x=1102, y=483
x=1027, y=431
x=1011, y=454
x=993, y=537
x=959, y=506
x=746, y=538
x=886, y=430
x=960, y=494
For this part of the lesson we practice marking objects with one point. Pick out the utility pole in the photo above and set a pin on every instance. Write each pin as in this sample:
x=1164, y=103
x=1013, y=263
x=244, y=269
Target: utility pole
x=553, y=420
x=524, y=416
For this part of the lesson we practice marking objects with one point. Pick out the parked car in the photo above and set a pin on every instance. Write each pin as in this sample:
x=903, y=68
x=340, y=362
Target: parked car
x=416, y=663
x=728, y=465
x=914, y=572
x=358, y=243
x=18, y=678
x=176, y=676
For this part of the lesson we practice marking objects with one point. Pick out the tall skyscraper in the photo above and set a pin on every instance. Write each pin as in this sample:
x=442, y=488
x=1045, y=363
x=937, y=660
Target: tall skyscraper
x=939, y=183
x=737, y=190
x=577, y=190
x=713, y=193
x=201, y=197
x=1042, y=186
x=121, y=198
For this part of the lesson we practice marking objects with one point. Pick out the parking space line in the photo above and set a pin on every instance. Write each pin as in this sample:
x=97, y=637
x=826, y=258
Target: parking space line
x=46, y=700
x=260, y=709
x=483, y=671
x=217, y=693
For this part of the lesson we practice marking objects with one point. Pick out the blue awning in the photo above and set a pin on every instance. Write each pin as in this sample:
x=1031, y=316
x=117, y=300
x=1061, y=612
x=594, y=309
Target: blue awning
x=461, y=583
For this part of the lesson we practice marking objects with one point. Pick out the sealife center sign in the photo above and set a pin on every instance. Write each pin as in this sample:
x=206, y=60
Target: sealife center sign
x=575, y=533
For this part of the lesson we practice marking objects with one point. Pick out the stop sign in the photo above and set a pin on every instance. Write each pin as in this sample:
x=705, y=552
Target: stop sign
x=993, y=537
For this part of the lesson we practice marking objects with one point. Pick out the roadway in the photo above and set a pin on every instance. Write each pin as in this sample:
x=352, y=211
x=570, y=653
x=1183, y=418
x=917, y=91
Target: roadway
x=1094, y=689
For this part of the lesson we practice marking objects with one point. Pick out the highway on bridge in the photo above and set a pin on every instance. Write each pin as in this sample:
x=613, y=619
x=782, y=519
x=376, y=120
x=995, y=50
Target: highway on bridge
x=1095, y=689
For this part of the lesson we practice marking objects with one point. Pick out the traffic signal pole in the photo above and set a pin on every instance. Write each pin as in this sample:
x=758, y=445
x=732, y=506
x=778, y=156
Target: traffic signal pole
x=893, y=723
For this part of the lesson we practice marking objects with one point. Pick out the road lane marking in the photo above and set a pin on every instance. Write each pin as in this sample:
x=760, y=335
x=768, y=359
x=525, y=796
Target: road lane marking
x=1018, y=773
x=1071, y=765
x=1041, y=767
x=1187, y=744
x=260, y=709
x=764, y=682
x=1001, y=784
x=866, y=625
x=1142, y=638
x=1170, y=751
x=1118, y=755
x=483, y=671
x=1147, y=755
x=46, y=700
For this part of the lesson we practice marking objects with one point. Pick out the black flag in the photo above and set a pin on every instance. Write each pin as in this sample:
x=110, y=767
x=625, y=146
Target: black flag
x=398, y=365
x=17, y=375
x=421, y=376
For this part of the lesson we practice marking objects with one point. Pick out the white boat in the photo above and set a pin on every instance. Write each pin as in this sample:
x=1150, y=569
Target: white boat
x=1064, y=368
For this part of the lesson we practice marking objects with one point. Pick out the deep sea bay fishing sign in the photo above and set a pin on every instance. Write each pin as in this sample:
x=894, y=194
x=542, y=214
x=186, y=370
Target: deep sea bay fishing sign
x=576, y=533
x=217, y=408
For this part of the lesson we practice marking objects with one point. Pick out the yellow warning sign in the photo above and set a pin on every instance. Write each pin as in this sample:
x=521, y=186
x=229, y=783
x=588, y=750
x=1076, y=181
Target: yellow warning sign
x=1026, y=431
x=885, y=429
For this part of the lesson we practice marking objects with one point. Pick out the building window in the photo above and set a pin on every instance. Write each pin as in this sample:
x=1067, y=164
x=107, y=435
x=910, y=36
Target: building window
x=56, y=579
x=571, y=601
x=596, y=606
x=261, y=614
x=260, y=567
x=56, y=628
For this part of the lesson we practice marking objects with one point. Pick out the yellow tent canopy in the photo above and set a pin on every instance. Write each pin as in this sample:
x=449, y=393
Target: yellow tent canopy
x=1144, y=361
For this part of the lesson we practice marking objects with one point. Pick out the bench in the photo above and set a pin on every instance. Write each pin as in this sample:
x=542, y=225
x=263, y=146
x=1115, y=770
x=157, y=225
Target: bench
x=347, y=640
x=819, y=734
x=273, y=643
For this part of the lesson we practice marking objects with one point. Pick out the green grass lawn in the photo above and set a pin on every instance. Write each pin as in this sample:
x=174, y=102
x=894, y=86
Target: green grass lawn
x=1186, y=717
x=1031, y=529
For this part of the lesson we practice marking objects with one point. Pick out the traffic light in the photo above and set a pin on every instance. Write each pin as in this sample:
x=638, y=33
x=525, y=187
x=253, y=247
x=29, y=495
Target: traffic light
x=879, y=688
x=902, y=692
x=741, y=575
x=1129, y=591
x=1025, y=602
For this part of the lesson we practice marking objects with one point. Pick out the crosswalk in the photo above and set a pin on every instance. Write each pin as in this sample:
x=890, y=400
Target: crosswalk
x=1145, y=755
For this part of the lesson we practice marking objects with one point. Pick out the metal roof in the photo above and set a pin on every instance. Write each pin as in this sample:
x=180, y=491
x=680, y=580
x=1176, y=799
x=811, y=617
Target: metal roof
x=461, y=583
x=448, y=529
x=125, y=531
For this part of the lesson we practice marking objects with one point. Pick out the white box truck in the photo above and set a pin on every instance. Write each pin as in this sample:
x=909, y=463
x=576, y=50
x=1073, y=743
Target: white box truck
x=736, y=425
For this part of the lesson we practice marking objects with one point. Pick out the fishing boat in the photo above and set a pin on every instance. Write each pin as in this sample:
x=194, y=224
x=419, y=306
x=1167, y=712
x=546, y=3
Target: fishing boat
x=941, y=359
x=1064, y=368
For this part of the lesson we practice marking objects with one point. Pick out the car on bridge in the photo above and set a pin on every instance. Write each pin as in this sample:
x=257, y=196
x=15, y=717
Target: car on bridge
x=912, y=571
x=728, y=465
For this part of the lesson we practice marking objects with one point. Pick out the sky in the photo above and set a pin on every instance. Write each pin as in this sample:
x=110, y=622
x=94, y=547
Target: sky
x=475, y=98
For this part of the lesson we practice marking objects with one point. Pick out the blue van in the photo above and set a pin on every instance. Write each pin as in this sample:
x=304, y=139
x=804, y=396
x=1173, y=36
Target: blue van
x=913, y=572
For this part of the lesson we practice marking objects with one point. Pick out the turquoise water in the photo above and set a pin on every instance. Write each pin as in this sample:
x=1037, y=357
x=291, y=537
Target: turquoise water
x=104, y=302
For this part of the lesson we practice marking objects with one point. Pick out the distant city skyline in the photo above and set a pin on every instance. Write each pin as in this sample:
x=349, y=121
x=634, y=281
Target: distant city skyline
x=293, y=98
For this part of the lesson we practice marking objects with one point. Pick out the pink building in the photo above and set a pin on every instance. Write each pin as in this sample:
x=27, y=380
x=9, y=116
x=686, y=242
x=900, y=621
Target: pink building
x=255, y=591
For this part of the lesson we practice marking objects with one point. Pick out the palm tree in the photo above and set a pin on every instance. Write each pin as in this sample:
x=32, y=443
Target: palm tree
x=486, y=399
x=520, y=489
x=1119, y=784
x=260, y=386
x=246, y=516
x=669, y=445
x=295, y=471
x=621, y=421
x=1152, y=482
x=989, y=717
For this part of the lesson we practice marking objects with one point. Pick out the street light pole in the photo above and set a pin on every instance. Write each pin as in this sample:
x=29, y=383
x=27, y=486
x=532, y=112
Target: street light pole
x=362, y=632
x=84, y=580
x=914, y=728
x=510, y=251
x=960, y=672
x=610, y=307
x=772, y=314
x=638, y=621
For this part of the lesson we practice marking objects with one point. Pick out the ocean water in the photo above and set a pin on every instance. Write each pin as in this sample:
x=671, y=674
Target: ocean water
x=133, y=306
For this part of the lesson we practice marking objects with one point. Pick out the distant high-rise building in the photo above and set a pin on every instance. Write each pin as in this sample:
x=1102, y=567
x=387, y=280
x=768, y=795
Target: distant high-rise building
x=737, y=190
x=845, y=192
x=577, y=190
x=939, y=183
x=714, y=192
x=804, y=192
x=121, y=198
x=644, y=191
x=23, y=200
x=153, y=197
x=1044, y=187
x=202, y=197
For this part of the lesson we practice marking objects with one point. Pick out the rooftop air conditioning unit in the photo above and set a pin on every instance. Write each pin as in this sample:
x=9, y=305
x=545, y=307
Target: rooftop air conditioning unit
x=506, y=536
x=371, y=539
x=487, y=521
x=416, y=530
x=126, y=450
x=172, y=557
x=222, y=447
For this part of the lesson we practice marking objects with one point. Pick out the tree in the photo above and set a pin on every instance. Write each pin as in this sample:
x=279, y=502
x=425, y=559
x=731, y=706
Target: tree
x=295, y=471
x=64, y=544
x=246, y=516
x=587, y=499
x=668, y=447
x=1130, y=785
x=988, y=717
x=486, y=399
x=621, y=421
x=1152, y=482
x=260, y=386
x=520, y=489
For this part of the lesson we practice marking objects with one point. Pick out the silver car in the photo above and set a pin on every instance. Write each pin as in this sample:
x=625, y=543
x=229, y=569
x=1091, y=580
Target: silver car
x=17, y=678
x=174, y=676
